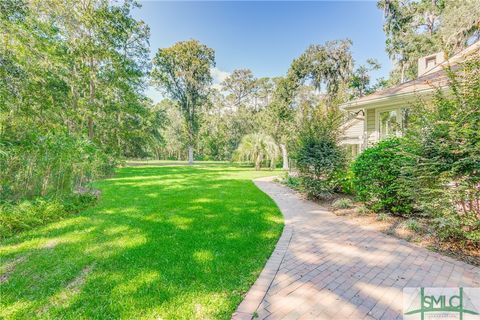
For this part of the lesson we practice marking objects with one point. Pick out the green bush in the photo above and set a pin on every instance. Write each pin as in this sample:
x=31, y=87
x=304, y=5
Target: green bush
x=382, y=216
x=292, y=182
x=445, y=139
x=363, y=211
x=318, y=158
x=378, y=179
x=451, y=225
x=318, y=188
x=345, y=180
x=55, y=164
x=27, y=214
x=319, y=161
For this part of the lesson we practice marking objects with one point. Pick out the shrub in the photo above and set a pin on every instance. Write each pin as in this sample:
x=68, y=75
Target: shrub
x=378, y=179
x=319, y=158
x=445, y=135
x=362, y=210
x=292, y=181
x=345, y=180
x=17, y=217
x=317, y=188
x=48, y=165
x=451, y=225
x=342, y=203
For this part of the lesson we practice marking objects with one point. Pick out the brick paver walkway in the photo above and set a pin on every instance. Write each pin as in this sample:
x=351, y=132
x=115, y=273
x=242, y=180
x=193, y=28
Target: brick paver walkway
x=326, y=267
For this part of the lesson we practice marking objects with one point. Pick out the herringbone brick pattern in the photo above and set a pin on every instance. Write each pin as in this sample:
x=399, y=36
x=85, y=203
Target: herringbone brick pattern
x=334, y=269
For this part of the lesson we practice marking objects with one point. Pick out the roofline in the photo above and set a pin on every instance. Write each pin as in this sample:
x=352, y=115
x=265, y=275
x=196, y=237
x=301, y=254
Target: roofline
x=455, y=59
x=353, y=105
x=448, y=63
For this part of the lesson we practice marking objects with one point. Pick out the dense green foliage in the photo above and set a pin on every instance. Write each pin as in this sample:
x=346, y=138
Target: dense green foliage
x=71, y=81
x=416, y=28
x=50, y=164
x=15, y=218
x=378, y=179
x=445, y=135
x=258, y=148
x=182, y=72
x=318, y=157
x=434, y=171
x=67, y=71
x=170, y=242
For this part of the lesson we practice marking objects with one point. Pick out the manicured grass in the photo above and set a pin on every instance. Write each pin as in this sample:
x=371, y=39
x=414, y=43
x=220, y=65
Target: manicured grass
x=169, y=242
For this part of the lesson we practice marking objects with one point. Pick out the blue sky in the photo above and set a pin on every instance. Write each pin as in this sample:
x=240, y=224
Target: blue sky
x=265, y=36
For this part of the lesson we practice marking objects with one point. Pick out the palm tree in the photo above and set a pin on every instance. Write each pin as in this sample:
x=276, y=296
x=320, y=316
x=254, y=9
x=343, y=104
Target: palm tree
x=257, y=147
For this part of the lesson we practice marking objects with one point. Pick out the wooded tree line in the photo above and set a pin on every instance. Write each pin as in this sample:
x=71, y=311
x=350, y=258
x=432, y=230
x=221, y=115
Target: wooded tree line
x=418, y=28
x=73, y=75
x=324, y=75
x=213, y=120
x=71, y=93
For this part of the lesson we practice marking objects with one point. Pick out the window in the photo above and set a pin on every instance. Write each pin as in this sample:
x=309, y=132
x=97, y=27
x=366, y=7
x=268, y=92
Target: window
x=391, y=121
x=388, y=123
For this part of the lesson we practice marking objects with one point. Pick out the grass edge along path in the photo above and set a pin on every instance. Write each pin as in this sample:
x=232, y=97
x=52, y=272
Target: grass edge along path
x=170, y=242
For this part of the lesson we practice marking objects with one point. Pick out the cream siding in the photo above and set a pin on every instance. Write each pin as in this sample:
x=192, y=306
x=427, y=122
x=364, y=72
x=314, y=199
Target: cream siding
x=371, y=133
x=354, y=132
x=402, y=95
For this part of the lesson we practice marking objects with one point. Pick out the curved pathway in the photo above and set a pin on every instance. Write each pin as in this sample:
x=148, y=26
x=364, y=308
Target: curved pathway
x=326, y=267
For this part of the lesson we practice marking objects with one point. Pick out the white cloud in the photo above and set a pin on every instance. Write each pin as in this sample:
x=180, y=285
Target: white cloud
x=218, y=77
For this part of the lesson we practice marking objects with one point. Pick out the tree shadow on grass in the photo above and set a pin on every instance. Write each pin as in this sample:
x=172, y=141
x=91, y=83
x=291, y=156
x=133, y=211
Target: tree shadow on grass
x=157, y=249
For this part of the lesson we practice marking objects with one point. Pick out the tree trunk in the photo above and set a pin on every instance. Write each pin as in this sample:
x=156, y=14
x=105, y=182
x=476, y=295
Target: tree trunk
x=90, y=128
x=402, y=75
x=273, y=164
x=92, y=102
x=284, y=156
x=258, y=162
x=190, y=155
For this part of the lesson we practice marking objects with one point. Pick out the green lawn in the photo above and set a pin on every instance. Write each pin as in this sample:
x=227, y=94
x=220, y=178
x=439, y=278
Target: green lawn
x=170, y=242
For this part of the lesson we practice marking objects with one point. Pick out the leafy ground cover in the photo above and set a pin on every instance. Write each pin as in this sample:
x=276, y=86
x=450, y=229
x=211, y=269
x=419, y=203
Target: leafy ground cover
x=170, y=242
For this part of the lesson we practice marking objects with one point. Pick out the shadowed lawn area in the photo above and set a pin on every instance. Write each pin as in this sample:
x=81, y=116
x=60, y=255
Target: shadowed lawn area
x=169, y=242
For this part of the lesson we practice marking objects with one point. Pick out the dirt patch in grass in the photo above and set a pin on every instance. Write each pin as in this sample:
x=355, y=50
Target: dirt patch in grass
x=50, y=244
x=161, y=238
x=64, y=297
x=9, y=267
x=75, y=284
x=416, y=230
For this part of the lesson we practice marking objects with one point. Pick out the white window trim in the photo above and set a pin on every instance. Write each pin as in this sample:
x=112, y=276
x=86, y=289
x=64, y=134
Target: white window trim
x=398, y=109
